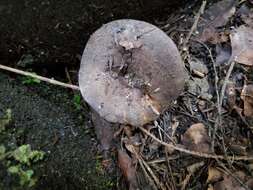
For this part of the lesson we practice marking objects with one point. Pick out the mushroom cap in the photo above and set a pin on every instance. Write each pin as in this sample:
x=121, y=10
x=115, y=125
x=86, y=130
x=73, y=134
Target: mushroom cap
x=130, y=72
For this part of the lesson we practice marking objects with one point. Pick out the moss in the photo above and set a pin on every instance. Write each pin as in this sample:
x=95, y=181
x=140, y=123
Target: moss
x=5, y=120
x=18, y=163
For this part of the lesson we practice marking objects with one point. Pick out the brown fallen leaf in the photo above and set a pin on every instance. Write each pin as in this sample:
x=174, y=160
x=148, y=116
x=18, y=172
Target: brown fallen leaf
x=127, y=167
x=247, y=97
x=242, y=45
x=229, y=182
x=196, y=138
x=214, y=175
x=214, y=17
x=218, y=180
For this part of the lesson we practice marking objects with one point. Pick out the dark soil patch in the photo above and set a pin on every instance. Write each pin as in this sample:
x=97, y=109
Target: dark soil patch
x=44, y=116
x=55, y=33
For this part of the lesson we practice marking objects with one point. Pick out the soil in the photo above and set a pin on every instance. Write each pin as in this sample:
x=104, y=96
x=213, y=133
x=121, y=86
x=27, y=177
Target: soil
x=55, y=33
x=45, y=117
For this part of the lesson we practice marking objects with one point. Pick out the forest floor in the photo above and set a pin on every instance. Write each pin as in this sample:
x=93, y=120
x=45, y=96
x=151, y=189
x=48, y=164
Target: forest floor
x=204, y=141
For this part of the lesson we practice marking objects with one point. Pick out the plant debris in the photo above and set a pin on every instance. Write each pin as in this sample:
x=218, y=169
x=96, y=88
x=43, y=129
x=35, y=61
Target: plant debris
x=196, y=138
x=242, y=45
x=247, y=97
x=220, y=180
x=214, y=18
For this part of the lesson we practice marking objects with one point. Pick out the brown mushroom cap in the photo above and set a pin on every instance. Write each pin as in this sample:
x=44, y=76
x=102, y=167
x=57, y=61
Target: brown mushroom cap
x=131, y=71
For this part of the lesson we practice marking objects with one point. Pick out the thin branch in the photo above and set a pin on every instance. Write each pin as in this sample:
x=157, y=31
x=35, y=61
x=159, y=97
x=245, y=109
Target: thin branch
x=51, y=81
x=223, y=89
x=194, y=153
x=195, y=24
x=218, y=119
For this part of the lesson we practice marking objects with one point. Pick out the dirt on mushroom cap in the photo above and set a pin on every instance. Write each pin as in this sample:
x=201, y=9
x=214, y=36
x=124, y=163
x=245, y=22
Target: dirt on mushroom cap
x=130, y=72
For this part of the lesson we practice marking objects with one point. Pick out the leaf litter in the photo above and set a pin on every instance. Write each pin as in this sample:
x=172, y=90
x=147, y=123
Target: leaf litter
x=204, y=140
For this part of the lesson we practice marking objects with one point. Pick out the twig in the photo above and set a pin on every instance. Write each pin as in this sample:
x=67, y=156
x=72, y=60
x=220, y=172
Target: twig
x=159, y=184
x=51, y=81
x=170, y=170
x=195, y=24
x=223, y=89
x=151, y=182
x=194, y=153
x=217, y=120
x=161, y=129
x=163, y=159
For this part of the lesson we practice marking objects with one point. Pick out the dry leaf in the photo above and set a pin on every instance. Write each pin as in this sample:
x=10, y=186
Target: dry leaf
x=242, y=45
x=214, y=175
x=222, y=181
x=216, y=16
x=196, y=138
x=247, y=97
x=129, y=172
x=229, y=182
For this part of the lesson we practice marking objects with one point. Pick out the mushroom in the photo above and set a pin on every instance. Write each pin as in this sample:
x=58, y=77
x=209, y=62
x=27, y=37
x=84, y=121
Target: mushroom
x=130, y=72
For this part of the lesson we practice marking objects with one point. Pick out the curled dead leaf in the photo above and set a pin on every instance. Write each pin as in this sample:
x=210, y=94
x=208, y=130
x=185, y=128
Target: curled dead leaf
x=242, y=45
x=196, y=138
x=247, y=97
